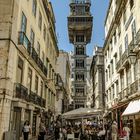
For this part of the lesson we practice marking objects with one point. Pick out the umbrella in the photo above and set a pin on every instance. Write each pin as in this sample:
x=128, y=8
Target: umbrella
x=81, y=112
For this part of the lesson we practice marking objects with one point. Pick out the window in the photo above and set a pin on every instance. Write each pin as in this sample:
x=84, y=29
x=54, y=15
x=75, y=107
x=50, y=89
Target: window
x=47, y=63
x=29, y=80
x=38, y=49
x=23, y=23
x=80, y=50
x=79, y=91
x=43, y=57
x=40, y=21
x=41, y=88
x=115, y=38
x=27, y=115
x=44, y=32
x=136, y=70
x=34, y=6
x=72, y=76
x=115, y=60
x=124, y=16
x=133, y=30
x=80, y=63
x=117, y=88
x=112, y=66
x=120, y=51
x=113, y=92
x=79, y=38
x=50, y=70
x=131, y=2
x=80, y=77
x=128, y=74
x=122, y=80
x=36, y=84
x=32, y=36
x=20, y=70
x=126, y=41
x=106, y=75
x=49, y=97
x=109, y=73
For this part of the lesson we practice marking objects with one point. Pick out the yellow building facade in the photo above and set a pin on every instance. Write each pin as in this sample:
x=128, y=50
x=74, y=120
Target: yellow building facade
x=28, y=55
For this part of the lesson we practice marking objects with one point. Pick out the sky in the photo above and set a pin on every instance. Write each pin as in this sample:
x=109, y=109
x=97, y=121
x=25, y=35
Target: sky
x=62, y=10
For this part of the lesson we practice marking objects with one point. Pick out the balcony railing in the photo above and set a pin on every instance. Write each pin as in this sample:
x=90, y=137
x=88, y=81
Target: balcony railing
x=22, y=93
x=40, y=64
x=130, y=90
x=23, y=40
x=35, y=99
x=124, y=58
x=80, y=1
x=34, y=55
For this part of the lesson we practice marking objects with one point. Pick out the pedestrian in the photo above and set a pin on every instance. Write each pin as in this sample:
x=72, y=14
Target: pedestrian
x=26, y=130
x=64, y=133
x=101, y=134
x=42, y=131
x=126, y=131
x=114, y=130
x=57, y=131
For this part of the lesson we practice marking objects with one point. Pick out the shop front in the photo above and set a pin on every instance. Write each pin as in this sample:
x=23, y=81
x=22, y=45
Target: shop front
x=132, y=116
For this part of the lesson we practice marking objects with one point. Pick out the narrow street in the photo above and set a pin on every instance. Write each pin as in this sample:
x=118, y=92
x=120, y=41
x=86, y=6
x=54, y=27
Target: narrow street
x=69, y=69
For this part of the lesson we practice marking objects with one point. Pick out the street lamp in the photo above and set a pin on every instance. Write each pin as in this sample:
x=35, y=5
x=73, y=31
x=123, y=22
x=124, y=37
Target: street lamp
x=132, y=57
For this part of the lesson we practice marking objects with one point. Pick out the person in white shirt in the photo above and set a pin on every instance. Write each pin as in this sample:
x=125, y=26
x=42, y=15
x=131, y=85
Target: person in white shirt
x=127, y=130
x=26, y=130
x=114, y=130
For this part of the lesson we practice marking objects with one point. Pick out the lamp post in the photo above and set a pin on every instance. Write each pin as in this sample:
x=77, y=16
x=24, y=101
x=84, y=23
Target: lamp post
x=132, y=57
x=132, y=60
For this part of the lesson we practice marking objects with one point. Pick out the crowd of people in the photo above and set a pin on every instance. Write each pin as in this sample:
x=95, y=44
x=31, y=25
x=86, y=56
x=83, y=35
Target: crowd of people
x=94, y=131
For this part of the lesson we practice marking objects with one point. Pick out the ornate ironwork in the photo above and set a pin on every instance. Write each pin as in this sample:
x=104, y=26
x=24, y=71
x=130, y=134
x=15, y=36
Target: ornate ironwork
x=21, y=92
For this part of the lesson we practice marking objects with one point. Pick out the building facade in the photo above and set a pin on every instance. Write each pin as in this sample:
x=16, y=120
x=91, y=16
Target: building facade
x=122, y=61
x=28, y=54
x=63, y=68
x=97, y=77
x=80, y=29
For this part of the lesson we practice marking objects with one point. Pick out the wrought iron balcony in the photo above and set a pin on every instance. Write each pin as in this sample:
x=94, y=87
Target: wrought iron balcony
x=43, y=104
x=129, y=91
x=32, y=97
x=40, y=64
x=23, y=40
x=45, y=70
x=35, y=99
x=21, y=92
x=125, y=59
x=34, y=55
x=80, y=1
x=118, y=65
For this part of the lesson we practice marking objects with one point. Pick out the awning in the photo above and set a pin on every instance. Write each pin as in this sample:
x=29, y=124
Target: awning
x=132, y=109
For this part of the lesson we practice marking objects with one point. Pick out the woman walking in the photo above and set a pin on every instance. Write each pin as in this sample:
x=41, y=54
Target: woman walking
x=26, y=130
x=42, y=131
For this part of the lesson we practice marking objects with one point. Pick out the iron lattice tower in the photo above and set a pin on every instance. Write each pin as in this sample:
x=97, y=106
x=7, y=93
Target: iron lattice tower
x=80, y=22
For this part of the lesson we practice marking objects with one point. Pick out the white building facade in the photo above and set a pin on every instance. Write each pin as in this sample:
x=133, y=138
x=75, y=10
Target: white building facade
x=121, y=52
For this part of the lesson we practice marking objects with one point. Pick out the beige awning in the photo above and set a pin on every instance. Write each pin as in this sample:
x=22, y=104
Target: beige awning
x=133, y=108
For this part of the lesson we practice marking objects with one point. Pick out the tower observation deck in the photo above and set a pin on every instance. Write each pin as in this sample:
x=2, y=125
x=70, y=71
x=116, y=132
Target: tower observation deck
x=80, y=22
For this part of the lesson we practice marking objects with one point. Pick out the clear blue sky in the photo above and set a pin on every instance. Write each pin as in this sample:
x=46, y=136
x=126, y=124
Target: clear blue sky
x=98, y=10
